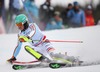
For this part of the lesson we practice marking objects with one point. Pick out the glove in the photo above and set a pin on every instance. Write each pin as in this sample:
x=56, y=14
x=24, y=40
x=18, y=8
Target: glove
x=11, y=59
x=24, y=39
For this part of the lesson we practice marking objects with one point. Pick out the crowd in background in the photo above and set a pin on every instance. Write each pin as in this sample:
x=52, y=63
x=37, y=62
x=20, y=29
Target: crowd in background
x=46, y=16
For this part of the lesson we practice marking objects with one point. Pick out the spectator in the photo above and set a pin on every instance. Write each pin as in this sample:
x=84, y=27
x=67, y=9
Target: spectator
x=55, y=22
x=98, y=22
x=64, y=13
x=76, y=16
x=2, y=11
x=2, y=17
x=89, y=16
x=2, y=28
x=46, y=11
x=14, y=8
x=32, y=8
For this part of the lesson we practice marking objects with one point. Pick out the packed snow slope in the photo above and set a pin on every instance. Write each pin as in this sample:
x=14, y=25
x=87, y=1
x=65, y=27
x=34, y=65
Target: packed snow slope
x=89, y=50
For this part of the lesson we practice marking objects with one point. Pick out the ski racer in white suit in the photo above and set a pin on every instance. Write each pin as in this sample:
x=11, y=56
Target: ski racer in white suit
x=39, y=46
x=30, y=32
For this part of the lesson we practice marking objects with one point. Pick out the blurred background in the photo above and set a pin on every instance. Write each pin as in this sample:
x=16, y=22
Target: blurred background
x=50, y=14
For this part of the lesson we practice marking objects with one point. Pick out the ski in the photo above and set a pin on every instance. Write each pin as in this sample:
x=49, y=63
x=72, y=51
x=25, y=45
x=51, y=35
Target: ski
x=54, y=65
x=28, y=66
x=64, y=65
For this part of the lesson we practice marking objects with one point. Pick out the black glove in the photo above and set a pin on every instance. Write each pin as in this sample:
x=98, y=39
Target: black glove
x=11, y=59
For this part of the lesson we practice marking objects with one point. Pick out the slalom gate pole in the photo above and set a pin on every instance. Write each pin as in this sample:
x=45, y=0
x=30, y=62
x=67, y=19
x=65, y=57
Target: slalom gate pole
x=29, y=16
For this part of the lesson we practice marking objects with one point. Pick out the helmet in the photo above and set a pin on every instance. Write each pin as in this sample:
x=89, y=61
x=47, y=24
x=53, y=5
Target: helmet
x=21, y=18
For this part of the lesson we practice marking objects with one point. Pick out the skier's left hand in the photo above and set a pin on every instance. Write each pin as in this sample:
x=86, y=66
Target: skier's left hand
x=11, y=59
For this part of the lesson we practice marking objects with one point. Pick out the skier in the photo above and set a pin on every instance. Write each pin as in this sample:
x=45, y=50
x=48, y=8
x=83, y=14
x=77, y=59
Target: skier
x=30, y=32
x=39, y=47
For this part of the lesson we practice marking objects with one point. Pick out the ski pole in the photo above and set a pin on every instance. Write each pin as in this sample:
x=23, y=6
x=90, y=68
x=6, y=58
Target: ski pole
x=29, y=40
x=69, y=41
x=66, y=41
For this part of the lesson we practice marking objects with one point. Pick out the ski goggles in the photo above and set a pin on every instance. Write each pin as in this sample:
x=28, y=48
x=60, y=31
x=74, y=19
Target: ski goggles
x=19, y=24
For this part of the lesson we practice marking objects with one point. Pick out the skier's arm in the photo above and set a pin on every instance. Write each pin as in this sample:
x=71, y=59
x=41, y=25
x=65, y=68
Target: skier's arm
x=16, y=51
x=18, y=47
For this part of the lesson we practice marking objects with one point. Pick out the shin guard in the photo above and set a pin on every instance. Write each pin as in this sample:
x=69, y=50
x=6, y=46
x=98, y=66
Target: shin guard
x=34, y=53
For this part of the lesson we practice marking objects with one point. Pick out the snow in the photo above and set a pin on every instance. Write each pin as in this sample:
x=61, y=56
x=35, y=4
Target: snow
x=89, y=50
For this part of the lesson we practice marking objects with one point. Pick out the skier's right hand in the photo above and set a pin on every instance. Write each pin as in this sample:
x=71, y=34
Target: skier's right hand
x=11, y=59
x=24, y=39
x=21, y=40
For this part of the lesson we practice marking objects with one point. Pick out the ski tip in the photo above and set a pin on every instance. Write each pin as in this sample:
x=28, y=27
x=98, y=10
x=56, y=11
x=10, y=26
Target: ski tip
x=17, y=67
x=14, y=67
x=56, y=65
